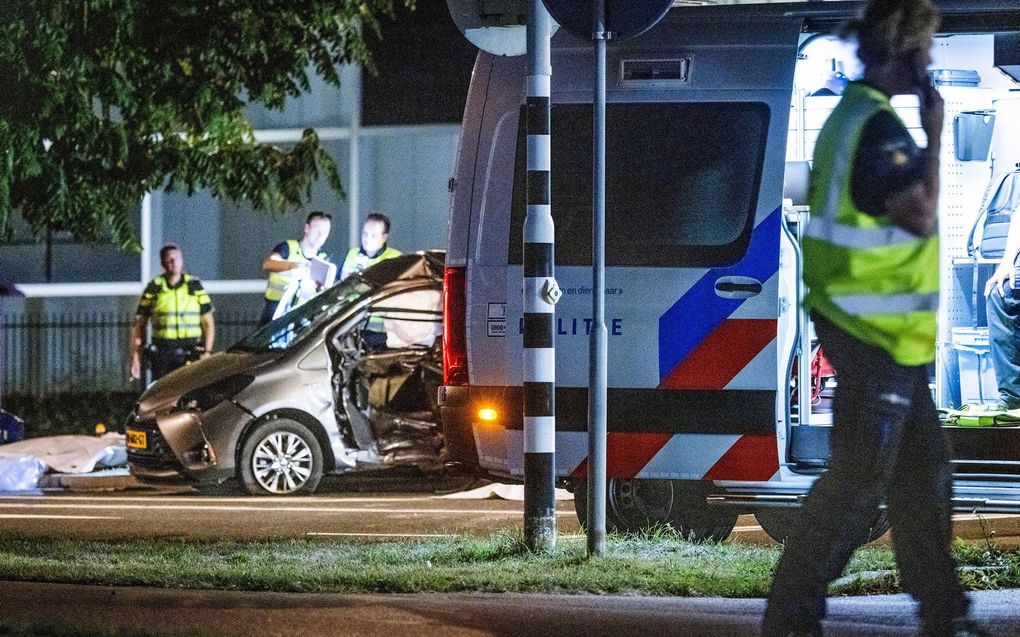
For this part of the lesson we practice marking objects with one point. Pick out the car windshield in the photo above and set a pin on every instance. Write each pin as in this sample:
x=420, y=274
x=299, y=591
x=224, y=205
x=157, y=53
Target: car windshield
x=291, y=328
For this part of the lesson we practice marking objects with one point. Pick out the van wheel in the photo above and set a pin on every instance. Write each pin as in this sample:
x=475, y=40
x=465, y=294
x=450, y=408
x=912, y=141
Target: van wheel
x=637, y=505
x=778, y=523
x=580, y=488
x=281, y=457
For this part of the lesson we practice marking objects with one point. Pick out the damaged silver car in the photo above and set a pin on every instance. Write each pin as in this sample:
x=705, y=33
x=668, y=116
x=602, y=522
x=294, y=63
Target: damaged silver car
x=346, y=381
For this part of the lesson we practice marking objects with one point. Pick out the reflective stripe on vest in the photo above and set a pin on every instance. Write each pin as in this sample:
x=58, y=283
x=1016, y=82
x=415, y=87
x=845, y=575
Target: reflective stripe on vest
x=176, y=313
x=278, y=281
x=868, y=277
x=886, y=304
x=355, y=261
x=832, y=231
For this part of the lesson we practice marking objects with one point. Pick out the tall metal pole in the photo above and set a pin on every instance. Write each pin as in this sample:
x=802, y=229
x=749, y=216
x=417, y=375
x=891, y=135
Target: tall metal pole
x=354, y=85
x=540, y=296
x=146, y=258
x=597, y=373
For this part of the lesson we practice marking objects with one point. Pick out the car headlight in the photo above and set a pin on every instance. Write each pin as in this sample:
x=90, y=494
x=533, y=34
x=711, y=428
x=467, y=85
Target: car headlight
x=212, y=395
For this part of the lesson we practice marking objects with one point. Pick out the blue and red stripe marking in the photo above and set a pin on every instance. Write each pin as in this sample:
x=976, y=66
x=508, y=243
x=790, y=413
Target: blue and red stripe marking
x=700, y=346
x=750, y=457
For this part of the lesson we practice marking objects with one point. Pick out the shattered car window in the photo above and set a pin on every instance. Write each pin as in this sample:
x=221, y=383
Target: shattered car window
x=295, y=325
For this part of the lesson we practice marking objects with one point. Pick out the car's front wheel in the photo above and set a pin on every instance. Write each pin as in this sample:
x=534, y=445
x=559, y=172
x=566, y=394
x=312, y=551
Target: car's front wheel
x=281, y=457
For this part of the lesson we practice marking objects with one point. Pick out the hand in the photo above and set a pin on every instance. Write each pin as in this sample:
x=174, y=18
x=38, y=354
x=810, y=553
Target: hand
x=136, y=366
x=205, y=354
x=932, y=111
x=1003, y=274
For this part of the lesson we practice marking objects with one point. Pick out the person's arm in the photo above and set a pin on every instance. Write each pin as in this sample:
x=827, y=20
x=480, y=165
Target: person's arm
x=208, y=333
x=137, y=341
x=145, y=304
x=276, y=261
x=206, y=322
x=1004, y=271
x=915, y=208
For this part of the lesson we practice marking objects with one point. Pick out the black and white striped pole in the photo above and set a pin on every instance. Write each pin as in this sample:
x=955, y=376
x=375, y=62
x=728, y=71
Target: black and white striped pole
x=540, y=295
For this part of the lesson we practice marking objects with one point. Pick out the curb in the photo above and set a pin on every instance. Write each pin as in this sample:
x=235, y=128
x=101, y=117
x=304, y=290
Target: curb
x=99, y=481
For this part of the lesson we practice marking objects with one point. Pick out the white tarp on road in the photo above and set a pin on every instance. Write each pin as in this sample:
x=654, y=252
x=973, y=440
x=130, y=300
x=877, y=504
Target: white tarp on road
x=20, y=473
x=23, y=463
x=498, y=491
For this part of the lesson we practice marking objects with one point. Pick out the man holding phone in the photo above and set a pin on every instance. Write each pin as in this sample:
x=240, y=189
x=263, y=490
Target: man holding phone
x=871, y=265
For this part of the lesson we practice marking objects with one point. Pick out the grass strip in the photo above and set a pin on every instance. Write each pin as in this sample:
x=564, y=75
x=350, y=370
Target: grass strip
x=656, y=563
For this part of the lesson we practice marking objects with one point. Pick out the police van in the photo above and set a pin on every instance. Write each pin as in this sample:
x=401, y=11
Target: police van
x=719, y=402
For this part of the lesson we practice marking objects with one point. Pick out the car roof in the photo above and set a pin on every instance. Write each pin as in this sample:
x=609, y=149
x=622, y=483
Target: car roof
x=426, y=264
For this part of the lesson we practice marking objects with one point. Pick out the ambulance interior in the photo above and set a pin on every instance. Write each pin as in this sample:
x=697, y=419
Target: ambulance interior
x=979, y=79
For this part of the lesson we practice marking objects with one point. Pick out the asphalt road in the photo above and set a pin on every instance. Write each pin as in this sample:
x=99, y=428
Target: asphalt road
x=223, y=613
x=134, y=514
x=364, y=515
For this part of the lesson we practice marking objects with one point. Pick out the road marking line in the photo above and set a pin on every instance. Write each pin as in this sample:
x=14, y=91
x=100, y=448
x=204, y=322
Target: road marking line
x=30, y=516
x=290, y=509
x=261, y=499
x=430, y=535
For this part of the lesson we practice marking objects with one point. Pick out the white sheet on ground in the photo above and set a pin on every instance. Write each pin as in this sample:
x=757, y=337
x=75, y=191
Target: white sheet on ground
x=20, y=473
x=71, y=454
x=499, y=491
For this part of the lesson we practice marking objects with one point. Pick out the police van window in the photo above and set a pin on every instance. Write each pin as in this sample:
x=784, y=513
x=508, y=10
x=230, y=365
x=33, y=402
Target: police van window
x=681, y=182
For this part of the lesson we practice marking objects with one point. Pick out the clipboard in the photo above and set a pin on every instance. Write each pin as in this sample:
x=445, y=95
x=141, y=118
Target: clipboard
x=322, y=272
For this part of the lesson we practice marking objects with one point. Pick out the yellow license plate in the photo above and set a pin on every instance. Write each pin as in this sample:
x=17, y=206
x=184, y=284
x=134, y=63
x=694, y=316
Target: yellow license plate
x=136, y=439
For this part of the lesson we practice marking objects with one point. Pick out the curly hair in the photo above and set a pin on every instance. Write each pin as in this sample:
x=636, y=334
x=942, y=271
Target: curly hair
x=887, y=28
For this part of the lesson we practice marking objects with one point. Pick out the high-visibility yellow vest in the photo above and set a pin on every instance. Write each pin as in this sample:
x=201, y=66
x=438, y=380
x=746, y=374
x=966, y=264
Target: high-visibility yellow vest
x=867, y=276
x=278, y=281
x=175, y=311
x=356, y=261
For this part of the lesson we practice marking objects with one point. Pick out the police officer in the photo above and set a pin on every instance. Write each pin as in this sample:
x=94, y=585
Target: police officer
x=182, y=318
x=375, y=232
x=871, y=263
x=289, y=260
x=1003, y=311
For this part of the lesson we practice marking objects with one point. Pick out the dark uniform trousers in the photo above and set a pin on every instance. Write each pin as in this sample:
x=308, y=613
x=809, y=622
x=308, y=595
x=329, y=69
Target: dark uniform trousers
x=887, y=442
x=1003, y=313
x=166, y=355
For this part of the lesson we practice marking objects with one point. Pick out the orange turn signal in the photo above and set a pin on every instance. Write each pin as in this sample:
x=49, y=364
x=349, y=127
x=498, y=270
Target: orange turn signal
x=488, y=414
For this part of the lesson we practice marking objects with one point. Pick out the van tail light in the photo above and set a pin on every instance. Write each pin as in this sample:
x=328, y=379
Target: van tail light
x=455, y=370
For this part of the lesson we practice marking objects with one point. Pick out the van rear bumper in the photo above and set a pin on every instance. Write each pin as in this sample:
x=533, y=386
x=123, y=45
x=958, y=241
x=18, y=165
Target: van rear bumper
x=453, y=395
x=457, y=417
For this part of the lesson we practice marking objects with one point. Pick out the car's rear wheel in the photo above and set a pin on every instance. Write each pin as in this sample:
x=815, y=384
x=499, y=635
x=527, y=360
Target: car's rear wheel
x=281, y=457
